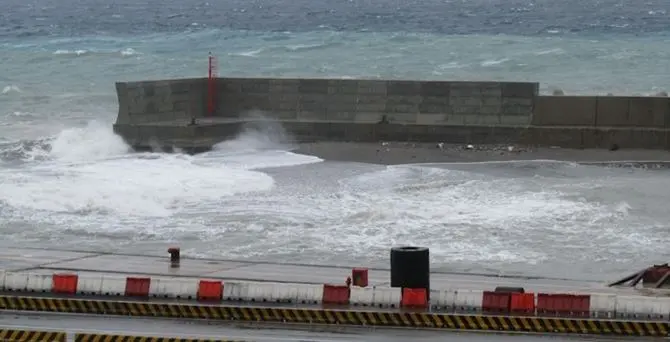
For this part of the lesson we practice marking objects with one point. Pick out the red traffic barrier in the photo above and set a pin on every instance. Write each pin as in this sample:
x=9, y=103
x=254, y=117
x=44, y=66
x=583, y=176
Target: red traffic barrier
x=137, y=287
x=414, y=298
x=360, y=276
x=210, y=290
x=522, y=303
x=563, y=304
x=496, y=301
x=335, y=294
x=64, y=283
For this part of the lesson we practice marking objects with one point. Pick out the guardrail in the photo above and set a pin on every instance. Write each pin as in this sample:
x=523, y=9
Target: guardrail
x=13, y=335
x=16, y=335
x=340, y=317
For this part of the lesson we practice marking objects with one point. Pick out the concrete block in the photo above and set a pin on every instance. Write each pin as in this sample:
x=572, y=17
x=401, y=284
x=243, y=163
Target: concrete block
x=435, y=100
x=517, y=101
x=342, y=98
x=401, y=108
x=465, y=110
x=489, y=110
x=340, y=107
x=431, y=119
x=612, y=111
x=313, y=106
x=408, y=100
x=147, y=90
x=305, y=114
x=435, y=89
x=403, y=88
x=284, y=86
x=369, y=117
x=517, y=110
x=429, y=108
x=469, y=101
x=475, y=89
x=371, y=87
x=313, y=86
x=254, y=85
x=455, y=119
x=285, y=114
x=515, y=120
x=313, y=98
x=565, y=111
x=649, y=111
x=343, y=87
x=340, y=116
x=284, y=101
x=402, y=104
x=179, y=87
x=371, y=103
x=164, y=104
x=409, y=118
x=518, y=89
x=626, y=137
x=474, y=119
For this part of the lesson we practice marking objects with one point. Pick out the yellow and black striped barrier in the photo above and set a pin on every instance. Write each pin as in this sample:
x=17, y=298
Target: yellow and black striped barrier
x=9, y=335
x=130, y=338
x=339, y=317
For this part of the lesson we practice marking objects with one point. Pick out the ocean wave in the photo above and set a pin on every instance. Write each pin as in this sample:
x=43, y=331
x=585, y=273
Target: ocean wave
x=25, y=151
x=87, y=52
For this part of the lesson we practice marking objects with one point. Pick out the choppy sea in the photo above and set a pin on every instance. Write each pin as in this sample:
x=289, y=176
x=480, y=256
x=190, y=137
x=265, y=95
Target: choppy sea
x=66, y=181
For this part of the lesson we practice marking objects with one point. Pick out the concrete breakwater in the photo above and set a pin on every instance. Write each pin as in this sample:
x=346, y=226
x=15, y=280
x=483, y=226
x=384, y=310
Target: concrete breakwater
x=161, y=113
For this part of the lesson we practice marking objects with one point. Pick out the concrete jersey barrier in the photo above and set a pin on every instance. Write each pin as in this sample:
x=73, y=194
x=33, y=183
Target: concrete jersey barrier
x=600, y=305
x=339, y=317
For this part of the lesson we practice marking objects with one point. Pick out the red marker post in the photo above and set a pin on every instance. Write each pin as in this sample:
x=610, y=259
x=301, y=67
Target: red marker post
x=212, y=74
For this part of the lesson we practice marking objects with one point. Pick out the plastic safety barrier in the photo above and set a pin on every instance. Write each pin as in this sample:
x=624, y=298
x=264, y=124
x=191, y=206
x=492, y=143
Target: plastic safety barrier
x=137, y=287
x=210, y=290
x=502, y=300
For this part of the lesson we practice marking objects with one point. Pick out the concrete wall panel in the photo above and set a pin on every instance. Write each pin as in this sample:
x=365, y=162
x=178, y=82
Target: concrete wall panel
x=649, y=111
x=565, y=111
x=612, y=111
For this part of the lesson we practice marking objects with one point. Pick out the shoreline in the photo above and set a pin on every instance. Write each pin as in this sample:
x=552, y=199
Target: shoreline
x=395, y=153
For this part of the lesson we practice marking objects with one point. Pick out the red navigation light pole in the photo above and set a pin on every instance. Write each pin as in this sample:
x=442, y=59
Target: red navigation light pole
x=211, y=85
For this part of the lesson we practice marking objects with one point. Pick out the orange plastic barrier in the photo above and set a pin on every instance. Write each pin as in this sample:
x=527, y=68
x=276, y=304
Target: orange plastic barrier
x=64, y=283
x=522, y=303
x=496, y=301
x=210, y=290
x=563, y=304
x=335, y=294
x=137, y=287
x=360, y=276
x=414, y=298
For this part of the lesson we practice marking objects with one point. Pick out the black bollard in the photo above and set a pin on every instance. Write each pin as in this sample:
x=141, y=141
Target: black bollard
x=410, y=268
x=174, y=256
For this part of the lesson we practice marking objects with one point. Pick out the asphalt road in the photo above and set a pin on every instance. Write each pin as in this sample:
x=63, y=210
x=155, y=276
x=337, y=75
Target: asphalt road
x=200, y=329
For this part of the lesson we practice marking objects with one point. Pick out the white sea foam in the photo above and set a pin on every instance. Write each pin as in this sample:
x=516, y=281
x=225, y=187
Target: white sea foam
x=91, y=170
x=11, y=89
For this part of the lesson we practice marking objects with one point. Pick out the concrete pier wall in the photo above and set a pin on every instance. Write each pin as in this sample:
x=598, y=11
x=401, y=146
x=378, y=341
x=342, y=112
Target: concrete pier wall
x=161, y=101
x=602, y=111
x=368, y=101
x=158, y=112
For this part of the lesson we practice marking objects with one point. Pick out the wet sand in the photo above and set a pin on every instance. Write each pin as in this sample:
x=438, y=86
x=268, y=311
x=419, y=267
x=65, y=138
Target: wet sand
x=404, y=153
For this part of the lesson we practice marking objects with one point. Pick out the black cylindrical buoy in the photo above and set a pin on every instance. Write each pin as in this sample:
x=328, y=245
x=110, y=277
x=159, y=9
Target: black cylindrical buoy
x=410, y=267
